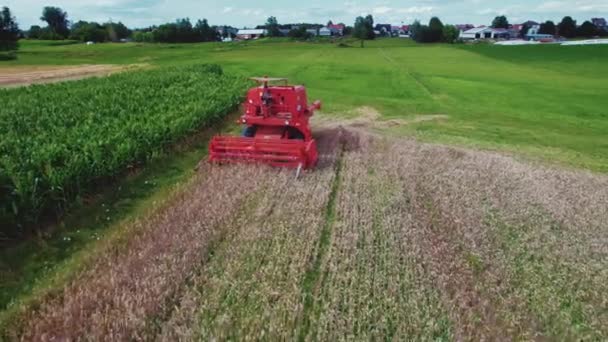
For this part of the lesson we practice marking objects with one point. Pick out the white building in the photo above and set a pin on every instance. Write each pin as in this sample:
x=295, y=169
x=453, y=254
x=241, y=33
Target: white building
x=247, y=34
x=325, y=32
x=484, y=33
x=533, y=30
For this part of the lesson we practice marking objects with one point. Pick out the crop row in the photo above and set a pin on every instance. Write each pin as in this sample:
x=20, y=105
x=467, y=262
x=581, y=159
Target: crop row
x=56, y=140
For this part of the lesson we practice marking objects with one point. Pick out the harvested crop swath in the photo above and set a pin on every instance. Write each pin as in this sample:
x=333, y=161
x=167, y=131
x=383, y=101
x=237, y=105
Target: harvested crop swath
x=374, y=287
x=55, y=140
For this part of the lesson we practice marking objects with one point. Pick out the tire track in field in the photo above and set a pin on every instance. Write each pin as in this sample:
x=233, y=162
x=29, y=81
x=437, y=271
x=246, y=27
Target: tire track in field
x=372, y=287
x=313, y=276
x=407, y=71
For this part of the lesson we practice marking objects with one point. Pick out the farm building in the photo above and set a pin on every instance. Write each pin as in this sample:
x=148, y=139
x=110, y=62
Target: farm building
x=383, y=29
x=331, y=30
x=515, y=30
x=337, y=29
x=325, y=32
x=247, y=34
x=464, y=27
x=404, y=31
x=533, y=29
x=484, y=32
x=500, y=33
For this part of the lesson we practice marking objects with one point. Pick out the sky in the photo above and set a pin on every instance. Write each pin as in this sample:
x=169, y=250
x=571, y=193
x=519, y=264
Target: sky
x=248, y=13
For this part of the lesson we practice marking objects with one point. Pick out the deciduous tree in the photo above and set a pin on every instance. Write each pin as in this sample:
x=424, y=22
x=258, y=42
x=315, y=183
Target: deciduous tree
x=299, y=33
x=35, y=32
x=9, y=31
x=272, y=26
x=500, y=22
x=567, y=27
x=117, y=31
x=204, y=32
x=450, y=34
x=587, y=29
x=57, y=21
x=435, y=30
x=364, y=28
x=88, y=31
x=547, y=27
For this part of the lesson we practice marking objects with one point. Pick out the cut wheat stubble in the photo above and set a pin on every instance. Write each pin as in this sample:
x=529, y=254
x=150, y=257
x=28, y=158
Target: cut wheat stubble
x=425, y=242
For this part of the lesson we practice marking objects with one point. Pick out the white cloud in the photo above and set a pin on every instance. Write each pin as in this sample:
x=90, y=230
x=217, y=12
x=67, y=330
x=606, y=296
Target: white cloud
x=416, y=10
x=381, y=10
x=138, y=13
x=580, y=6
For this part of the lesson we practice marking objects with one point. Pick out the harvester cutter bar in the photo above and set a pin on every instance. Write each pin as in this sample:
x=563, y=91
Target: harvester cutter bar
x=275, y=152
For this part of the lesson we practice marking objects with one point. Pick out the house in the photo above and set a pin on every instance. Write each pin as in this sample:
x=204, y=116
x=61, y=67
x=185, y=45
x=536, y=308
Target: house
x=284, y=32
x=332, y=30
x=484, y=32
x=481, y=32
x=337, y=29
x=247, y=34
x=325, y=31
x=600, y=23
x=395, y=31
x=534, y=33
x=533, y=29
x=464, y=27
x=404, y=31
x=383, y=29
x=500, y=33
x=515, y=30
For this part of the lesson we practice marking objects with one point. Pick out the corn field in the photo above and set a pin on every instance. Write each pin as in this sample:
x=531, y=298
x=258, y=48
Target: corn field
x=57, y=140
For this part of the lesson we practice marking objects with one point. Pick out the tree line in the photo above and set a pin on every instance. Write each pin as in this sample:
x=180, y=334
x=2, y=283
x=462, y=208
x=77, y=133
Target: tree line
x=566, y=28
x=59, y=27
x=181, y=31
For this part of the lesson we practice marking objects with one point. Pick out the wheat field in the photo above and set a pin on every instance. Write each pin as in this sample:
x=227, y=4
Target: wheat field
x=387, y=239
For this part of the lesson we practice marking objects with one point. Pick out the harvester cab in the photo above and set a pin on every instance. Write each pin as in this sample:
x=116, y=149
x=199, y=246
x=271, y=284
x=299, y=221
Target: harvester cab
x=276, y=128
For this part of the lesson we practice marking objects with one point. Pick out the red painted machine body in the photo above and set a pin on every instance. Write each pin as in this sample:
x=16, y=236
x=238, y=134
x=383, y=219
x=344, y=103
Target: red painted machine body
x=277, y=129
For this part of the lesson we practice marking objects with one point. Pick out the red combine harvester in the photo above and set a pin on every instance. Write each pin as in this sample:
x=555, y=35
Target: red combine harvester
x=276, y=128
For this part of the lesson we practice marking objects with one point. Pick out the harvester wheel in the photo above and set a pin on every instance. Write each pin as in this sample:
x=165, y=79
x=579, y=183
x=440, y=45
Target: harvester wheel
x=249, y=131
